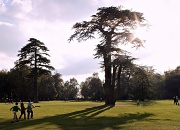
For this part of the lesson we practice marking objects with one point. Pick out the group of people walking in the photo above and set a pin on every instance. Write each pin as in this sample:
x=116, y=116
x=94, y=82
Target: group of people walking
x=176, y=100
x=22, y=108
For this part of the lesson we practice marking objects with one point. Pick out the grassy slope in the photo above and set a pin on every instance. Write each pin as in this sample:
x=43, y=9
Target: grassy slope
x=151, y=115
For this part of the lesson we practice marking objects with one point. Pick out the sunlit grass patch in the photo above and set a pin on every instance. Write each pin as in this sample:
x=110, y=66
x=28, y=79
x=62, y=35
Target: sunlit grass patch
x=65, y=115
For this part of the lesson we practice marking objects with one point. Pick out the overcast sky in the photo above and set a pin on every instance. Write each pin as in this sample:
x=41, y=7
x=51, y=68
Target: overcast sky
x=51, y=21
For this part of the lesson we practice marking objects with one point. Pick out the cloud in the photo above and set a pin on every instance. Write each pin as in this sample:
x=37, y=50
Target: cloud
x=50, y=21
x=61, y=10
x=6, y=61
x=11, y=39
x=80, y=66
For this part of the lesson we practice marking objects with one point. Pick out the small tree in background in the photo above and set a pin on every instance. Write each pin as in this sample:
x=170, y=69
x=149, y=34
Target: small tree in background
x=92, y=88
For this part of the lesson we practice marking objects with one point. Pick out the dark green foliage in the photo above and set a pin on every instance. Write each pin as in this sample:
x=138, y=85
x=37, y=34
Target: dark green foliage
x=47, y=90
x=172, y=83
x=70, y=89
x=20, y=84
x=34, y=55
x=122, y=66
x=59, y=85
x=136, y=83
x=140, y=83
x=92, y=88
x=3, y=84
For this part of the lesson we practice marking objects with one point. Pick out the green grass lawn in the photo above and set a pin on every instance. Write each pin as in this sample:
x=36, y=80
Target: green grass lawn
x=67, y=115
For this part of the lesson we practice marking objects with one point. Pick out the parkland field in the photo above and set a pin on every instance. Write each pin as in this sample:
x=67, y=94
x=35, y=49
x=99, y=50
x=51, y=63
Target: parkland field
x=86, y=115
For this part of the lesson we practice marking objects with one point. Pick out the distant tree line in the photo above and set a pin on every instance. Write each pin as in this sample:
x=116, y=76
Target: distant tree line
x=16, y=84
x=139, y=82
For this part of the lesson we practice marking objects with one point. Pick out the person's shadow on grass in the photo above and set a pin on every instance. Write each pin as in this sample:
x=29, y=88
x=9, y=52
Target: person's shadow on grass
x=78, y=120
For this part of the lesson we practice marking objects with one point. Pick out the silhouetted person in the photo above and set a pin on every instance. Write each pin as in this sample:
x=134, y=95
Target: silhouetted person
x=174, y=100
x=23, y=110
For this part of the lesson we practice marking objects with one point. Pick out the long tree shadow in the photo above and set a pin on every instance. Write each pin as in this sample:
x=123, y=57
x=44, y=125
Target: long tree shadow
x=85, y=119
